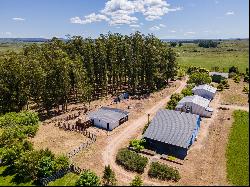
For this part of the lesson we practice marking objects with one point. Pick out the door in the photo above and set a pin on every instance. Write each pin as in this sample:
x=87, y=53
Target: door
x=107, y=126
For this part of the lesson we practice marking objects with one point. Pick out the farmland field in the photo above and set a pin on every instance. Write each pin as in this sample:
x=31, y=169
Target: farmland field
x=227, y=54
x=237, y=150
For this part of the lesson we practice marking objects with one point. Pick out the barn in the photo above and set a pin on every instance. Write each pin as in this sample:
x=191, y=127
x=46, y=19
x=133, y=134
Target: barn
x=172, y=132
x=205, y=91
x=108, y=118
x=196, y=105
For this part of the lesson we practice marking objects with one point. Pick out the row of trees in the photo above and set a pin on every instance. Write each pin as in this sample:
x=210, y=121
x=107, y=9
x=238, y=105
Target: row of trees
x=56, y=72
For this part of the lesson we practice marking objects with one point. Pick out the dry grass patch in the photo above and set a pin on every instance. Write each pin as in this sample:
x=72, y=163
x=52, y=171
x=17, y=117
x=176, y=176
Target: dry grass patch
x=234, y=95
x=57, y=140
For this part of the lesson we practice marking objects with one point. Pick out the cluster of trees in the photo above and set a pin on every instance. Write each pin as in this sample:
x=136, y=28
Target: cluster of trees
x=207, y=44
x=174, y=44
x=56, y=72
x=17, y=152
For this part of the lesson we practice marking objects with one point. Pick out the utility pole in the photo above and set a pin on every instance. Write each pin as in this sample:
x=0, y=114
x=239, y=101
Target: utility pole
x=148, y=118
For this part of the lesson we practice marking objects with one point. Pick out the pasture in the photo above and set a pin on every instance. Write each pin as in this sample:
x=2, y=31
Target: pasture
x=229, y=53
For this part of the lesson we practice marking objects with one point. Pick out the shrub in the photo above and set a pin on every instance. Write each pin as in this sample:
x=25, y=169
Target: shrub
x=220, y=87
x=138, y=145
x=163, y=172
x=131, y=160
x=187, y=91
x=246, y=78
x=233, y=69
x=22, y=118
x=194, y=69
x=174, y=99
x=246, y=89
x=109, y=177
x=88, y=178
x=232, y=74
x=225, y=83
x=237, y=79
x=137, y=181
x=199, y=78
x=217, y=78
x=207, y=44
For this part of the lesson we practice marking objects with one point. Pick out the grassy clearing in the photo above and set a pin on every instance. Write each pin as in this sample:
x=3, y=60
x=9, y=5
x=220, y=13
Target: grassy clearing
x=227, y=54
x=67, y=180
x=7, y=179
x=237, y=150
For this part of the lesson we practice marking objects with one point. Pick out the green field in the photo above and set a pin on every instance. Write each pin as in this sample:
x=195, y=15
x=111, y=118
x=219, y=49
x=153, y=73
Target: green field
x=68, y=180
x=238, y=151
x=228, y=53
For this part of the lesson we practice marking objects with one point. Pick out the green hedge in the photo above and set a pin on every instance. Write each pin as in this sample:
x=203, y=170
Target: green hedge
x=163, y=172
x=131, y=160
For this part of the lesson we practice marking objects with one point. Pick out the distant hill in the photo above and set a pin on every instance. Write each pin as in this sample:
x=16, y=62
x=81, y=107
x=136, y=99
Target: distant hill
x=20, y=40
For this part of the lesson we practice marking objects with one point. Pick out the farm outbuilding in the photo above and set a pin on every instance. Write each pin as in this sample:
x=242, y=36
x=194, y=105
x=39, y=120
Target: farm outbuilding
x=108, y=118
x=172, y=132
x=196, y=105
x=205, y=91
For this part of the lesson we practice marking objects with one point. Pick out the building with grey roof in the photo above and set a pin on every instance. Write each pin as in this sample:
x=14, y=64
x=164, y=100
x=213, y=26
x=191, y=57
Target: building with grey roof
x=224, y=75
x=196, y=105
x=172, y=132
x=108, y=118
x=205, y=91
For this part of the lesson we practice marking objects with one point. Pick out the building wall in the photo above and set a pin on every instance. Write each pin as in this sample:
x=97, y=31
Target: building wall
x=197, y=109
x=195, y=132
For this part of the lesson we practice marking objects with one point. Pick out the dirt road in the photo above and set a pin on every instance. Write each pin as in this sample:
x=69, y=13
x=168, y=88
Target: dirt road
x=116, y=141
x=236, y=107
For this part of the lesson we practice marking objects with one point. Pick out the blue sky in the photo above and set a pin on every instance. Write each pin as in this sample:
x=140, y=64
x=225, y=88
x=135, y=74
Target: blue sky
x=175, y=19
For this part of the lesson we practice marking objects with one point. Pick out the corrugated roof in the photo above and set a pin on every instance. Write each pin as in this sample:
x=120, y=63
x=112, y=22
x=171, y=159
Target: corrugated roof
x=205, y=87
x=172, y=127
x=194, y=99
x=218, y=73
x=109, y=115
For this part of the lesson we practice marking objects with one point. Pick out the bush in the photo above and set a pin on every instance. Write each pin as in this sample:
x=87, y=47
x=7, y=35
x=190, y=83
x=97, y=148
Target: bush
x=163, y=172
x=233, y=69
x=88, y=178
x=194, y=69
x=207, y=44
x=246, y=89
x=232, y=75
x=131, y=160
x=109, y=177
x=220, y=87
x=22, y=118
x=217, y=78
x=174, y=99
x=187, y=91
x=137, y=181
x=225, y=83
x=138, y=145
x=237, y=79
x=246, y=78
x=199, y=78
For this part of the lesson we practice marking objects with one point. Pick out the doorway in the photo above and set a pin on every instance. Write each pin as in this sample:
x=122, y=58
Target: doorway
x=107, y=126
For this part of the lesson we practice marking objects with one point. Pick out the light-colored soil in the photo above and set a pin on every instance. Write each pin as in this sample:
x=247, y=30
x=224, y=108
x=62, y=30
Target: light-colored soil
x=57, y=140
x=234, y=95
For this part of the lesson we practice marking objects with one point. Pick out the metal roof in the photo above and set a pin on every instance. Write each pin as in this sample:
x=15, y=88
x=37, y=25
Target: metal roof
x=172, y=127
x=205, y=87
x=218, y=73
x=109, y=115
x=196, y=99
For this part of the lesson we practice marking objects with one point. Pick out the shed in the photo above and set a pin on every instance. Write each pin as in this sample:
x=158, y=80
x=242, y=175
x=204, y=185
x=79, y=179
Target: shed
x=122, y=96
x=196, y=105
x=108, y=118
x=172, y=132
x=205, y=91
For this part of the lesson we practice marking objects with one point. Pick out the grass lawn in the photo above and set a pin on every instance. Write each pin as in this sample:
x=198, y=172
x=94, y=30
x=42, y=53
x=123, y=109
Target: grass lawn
x=7, y=180
x=68, y=180
x=237, y=150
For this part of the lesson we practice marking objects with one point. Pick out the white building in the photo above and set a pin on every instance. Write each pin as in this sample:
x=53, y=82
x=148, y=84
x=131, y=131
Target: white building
x=205, y=91
x=108, y=118
x=196, y=105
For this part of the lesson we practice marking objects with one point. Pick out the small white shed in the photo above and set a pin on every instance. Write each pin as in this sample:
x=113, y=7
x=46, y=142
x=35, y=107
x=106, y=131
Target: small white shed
x=205, y=91
x=108, y=118
x=196, y=105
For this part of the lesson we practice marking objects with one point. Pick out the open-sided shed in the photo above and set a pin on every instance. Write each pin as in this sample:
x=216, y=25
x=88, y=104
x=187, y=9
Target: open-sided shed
x=108, y=118
x=196, y=105
x=172, y=132
x=205, y=91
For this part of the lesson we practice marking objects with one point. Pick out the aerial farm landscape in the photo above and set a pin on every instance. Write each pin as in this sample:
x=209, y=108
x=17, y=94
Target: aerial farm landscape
x=121, y=97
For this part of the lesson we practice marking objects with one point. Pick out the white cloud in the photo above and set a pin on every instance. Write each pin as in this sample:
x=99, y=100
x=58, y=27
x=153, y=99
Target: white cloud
x=135, y=26
x=189, y=33
x=230, y=13
x=155, y=28
x=18, y=19
x=173, y=31
x=162, y=25
x=216, y=2
x=8, y=33
x=119, y=12
x=89, y=18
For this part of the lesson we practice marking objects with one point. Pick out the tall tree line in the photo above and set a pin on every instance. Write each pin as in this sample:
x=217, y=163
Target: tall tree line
x=83, y=69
